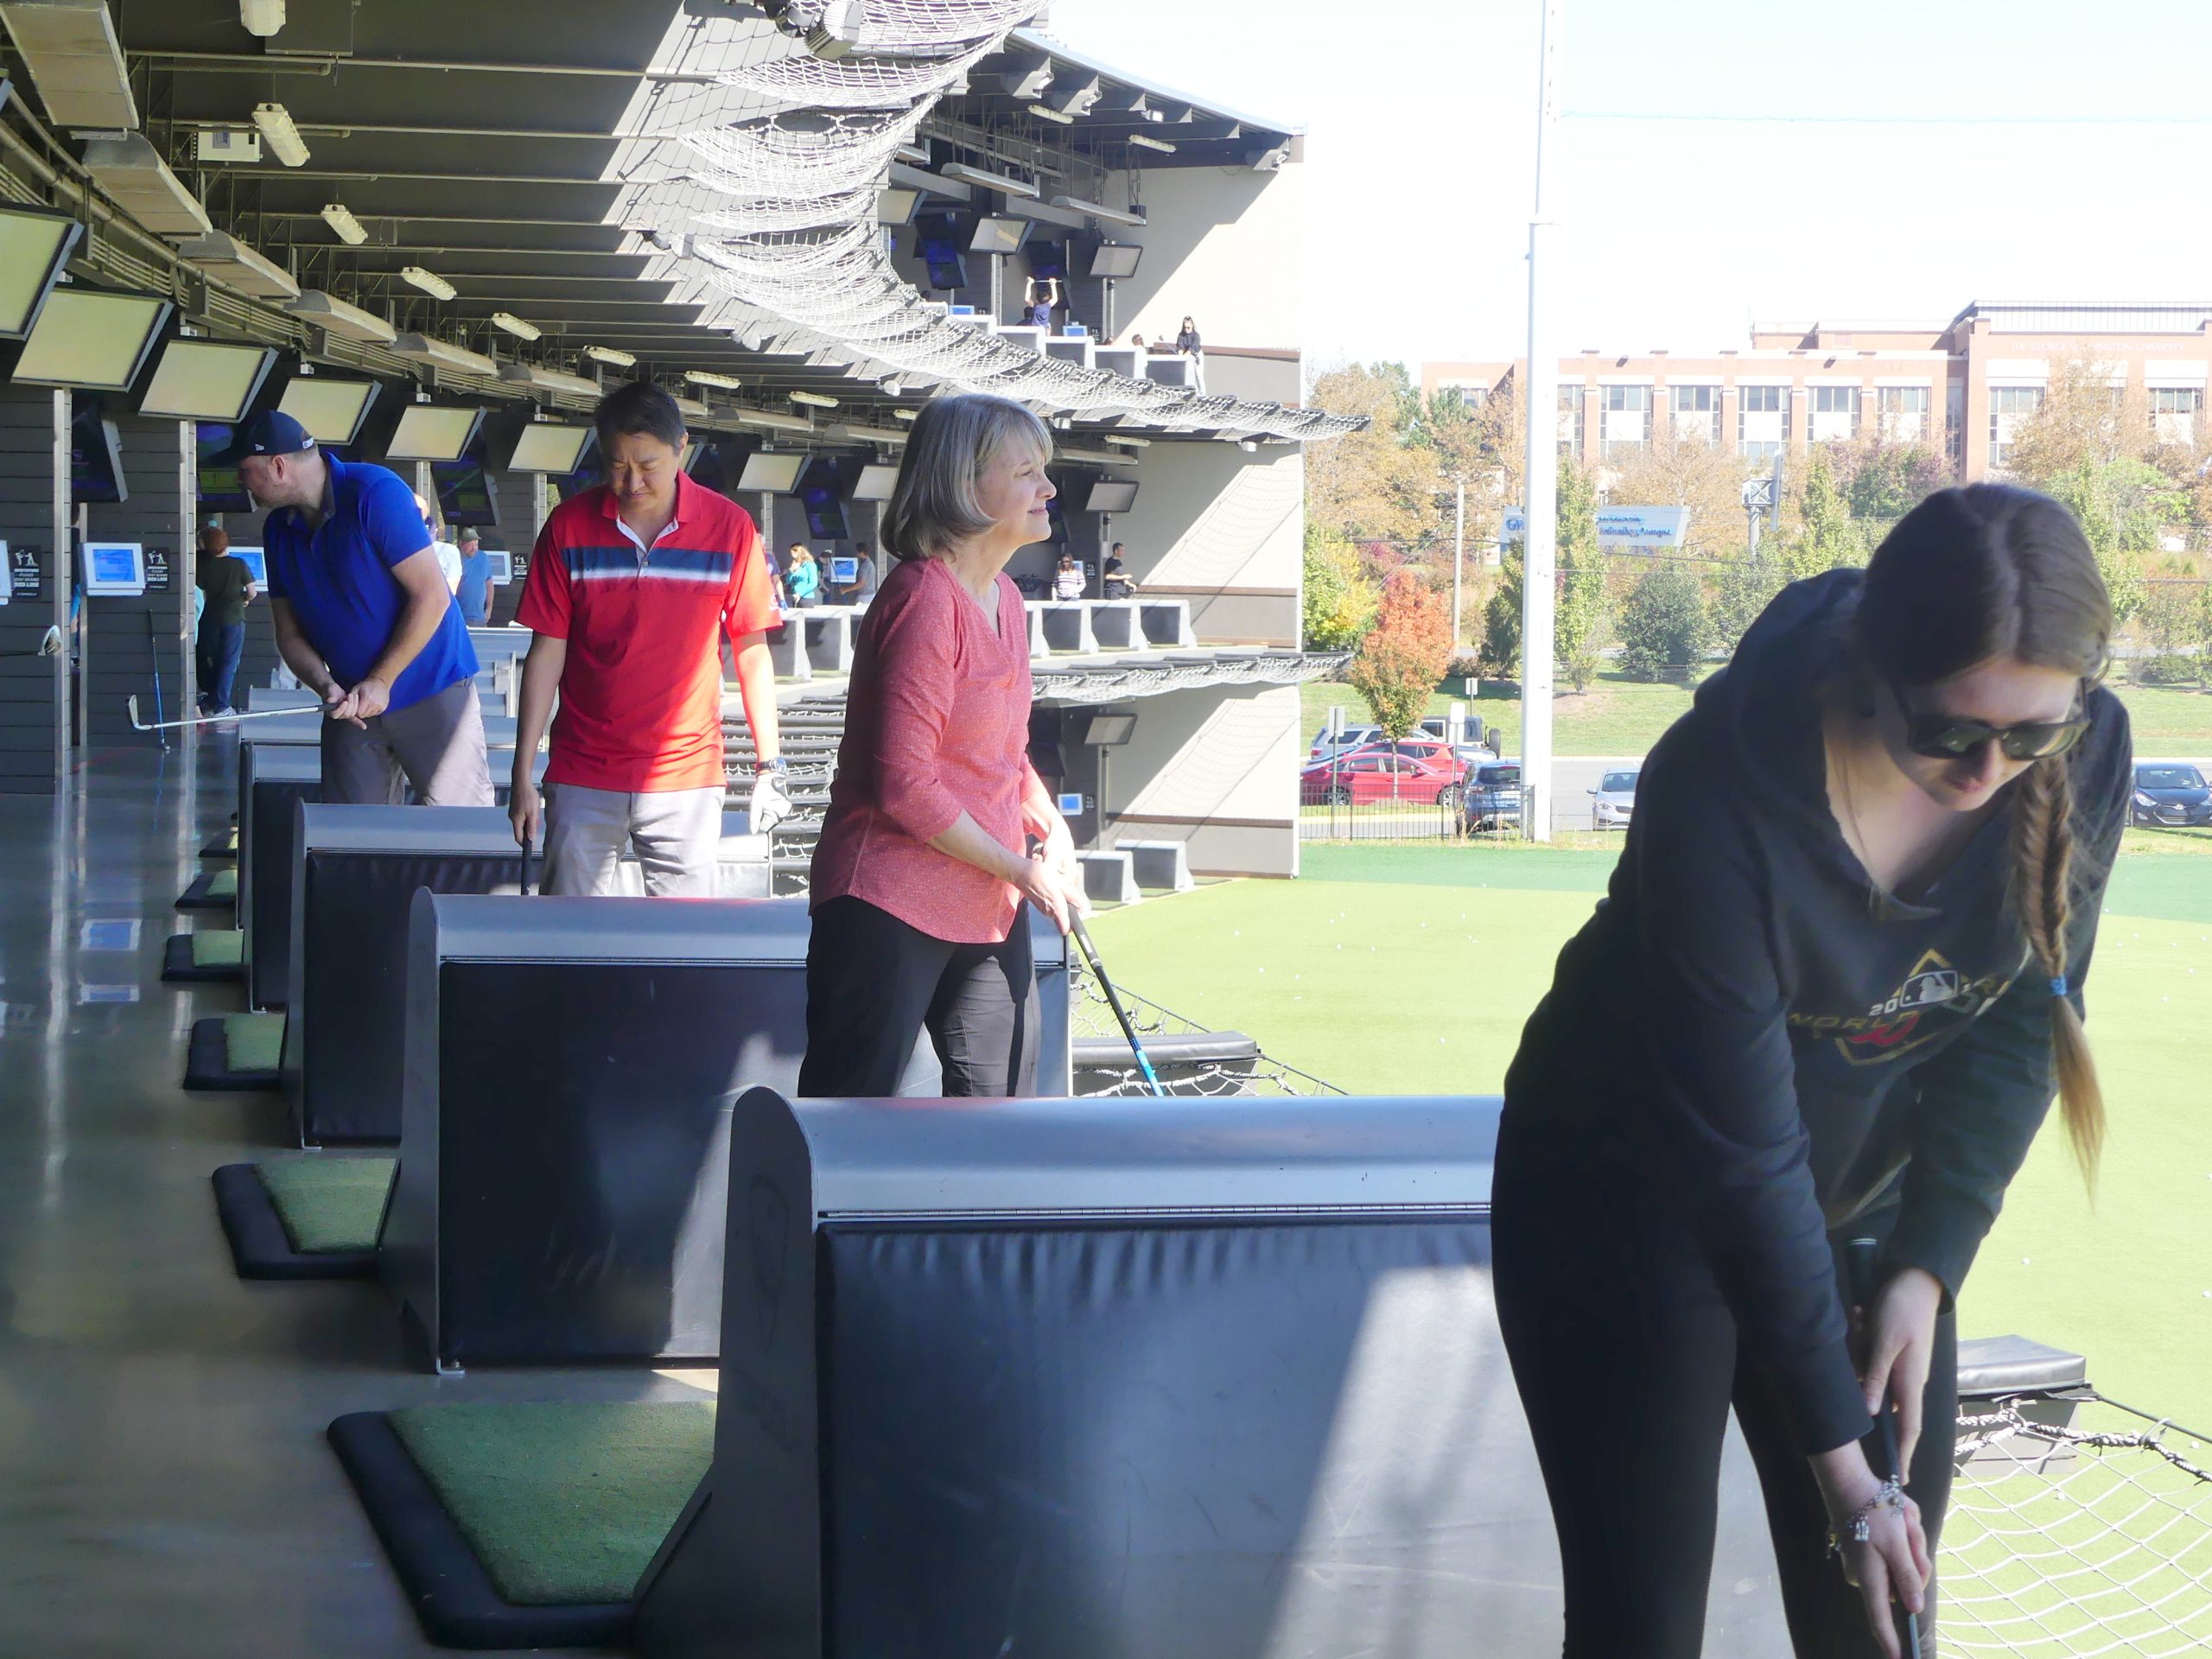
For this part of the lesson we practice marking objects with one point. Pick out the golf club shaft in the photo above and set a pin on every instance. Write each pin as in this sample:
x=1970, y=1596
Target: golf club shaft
x=139, y=725
x=154, y=652
x=1860, y=1258
x=1114, y=1002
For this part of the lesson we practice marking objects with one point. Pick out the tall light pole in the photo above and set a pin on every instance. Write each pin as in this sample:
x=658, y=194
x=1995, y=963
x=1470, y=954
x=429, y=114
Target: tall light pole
x=1458, y=554
x=1539, y=557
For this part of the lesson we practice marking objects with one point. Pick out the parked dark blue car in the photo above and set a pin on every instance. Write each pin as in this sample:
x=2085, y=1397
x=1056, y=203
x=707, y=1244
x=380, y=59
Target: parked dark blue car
x=2171, y=794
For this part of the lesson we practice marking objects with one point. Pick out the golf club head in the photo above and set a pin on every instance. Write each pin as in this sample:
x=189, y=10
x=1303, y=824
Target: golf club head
x=49, y=644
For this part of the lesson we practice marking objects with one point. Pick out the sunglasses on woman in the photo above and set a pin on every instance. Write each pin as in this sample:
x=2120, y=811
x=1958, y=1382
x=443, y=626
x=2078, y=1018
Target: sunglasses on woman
x=1953, y=737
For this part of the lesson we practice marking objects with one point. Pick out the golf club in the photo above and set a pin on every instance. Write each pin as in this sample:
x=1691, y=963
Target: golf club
x=138, y=725
x=154, y=653
x=1859, y=1257
x=49, y=644
x=523, y=885
x=1114, y=1002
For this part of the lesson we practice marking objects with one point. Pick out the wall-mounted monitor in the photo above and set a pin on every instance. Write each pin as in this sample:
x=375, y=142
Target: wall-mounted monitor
x=874, y=482
x=1116, y=259
x=1108, y=731
x=205, y=380
x=549, y=447
x=219, y=490
x=774, y=474
x=939, y=241
x=844, y=569
x=1111, y=495
x=1048, y=260
x=331, y=409
x=434, y=432
x=503, y=565
x=96, y=458
x=33, y=246
x=464, y=492
x=998, y=235
x=91, y=340
x=254, y=559
x=114, y=568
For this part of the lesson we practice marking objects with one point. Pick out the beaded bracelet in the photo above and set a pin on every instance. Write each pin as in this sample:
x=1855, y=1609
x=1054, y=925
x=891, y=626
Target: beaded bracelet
x=1859, y=1525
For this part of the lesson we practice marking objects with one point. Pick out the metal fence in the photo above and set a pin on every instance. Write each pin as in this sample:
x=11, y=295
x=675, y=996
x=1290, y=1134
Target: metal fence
x=1489, y=812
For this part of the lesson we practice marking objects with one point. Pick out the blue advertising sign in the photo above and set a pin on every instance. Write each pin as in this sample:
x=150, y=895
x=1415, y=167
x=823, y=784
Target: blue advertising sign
x=1642, y=529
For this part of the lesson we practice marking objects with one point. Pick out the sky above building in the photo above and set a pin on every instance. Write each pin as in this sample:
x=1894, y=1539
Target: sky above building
x=1718, y=160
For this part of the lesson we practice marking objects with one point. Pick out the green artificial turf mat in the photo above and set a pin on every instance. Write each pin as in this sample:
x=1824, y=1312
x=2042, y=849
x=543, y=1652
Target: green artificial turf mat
x=217, y=947
x=224, y=884
x=253, y=1042
x=564, y=1503
x=328, y=1204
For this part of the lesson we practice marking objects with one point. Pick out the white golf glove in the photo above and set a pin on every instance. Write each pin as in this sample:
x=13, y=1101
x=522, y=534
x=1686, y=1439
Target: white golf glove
x=772, y=802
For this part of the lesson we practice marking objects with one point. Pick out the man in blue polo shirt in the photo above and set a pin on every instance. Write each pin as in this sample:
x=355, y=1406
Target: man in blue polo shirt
x=364, y=617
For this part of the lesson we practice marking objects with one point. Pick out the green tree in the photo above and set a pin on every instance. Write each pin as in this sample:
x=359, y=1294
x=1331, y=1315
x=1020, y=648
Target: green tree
x=1746, y=586
x=1501, y=647
x=1378, y=482
x=1664, y=626
x=1579, y=618
x=1401, y=661
x=2122, y=504
x=1826, y=538
x=1340, y=599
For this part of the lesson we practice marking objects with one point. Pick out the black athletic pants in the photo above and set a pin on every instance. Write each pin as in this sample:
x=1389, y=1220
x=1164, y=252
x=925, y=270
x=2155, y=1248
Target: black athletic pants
x=874, y=983
x=1627, y=1361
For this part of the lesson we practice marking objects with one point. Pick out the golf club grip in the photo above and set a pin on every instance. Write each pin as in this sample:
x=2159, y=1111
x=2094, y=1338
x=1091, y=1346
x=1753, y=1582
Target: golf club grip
x=523, y=885
x=1862, y=1261
x=1114, y=1002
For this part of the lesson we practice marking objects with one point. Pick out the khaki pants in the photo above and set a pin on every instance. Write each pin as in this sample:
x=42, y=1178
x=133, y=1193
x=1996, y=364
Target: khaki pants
x=677, y=832
x=436, y=745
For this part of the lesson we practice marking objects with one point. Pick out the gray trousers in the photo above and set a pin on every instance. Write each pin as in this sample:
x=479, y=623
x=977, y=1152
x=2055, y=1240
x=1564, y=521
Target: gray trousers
x=435, y=747
x=678, y=832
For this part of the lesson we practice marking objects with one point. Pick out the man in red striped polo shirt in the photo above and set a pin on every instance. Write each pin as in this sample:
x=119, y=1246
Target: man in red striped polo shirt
x=631, y=589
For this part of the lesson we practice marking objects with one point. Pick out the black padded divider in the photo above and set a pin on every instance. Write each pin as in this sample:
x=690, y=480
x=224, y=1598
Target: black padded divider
x=223, y=846
x=273, y=779
x=355, y=873
x=452, y=1595
x=208, y=1060
x=196, y=897
x=570, y=1067
x=259, y=1246
x=1991, y=1367
x=1125, y=1379
x=178, y=968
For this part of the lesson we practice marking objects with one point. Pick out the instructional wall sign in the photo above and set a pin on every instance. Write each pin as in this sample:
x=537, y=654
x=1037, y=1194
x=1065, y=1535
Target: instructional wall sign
x=157, y=570
x=22, y=572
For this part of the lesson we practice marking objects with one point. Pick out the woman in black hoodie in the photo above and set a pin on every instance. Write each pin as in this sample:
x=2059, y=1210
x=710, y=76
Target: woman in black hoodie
x=1831, y=989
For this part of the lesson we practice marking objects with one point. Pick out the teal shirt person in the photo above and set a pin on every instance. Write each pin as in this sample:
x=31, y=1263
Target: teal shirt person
x=805, y=580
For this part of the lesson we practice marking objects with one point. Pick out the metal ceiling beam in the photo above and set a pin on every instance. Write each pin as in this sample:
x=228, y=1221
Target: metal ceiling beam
x=284, y=175
x=347, y=128
x=274, y=64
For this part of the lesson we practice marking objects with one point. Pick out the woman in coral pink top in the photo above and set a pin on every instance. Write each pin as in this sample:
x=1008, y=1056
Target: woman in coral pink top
x=922, y=868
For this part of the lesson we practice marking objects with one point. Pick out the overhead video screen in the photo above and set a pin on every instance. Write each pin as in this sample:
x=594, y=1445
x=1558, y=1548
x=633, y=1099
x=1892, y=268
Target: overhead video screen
x=433, y=432
x=331, y=410
x=89, y=339
x=206, y=380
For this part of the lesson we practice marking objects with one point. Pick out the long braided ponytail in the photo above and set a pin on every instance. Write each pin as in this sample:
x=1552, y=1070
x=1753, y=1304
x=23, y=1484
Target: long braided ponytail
x=1967, y=577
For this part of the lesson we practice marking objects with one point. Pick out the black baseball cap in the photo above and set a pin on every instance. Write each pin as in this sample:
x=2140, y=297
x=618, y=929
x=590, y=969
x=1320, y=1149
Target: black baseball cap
x=272, y=432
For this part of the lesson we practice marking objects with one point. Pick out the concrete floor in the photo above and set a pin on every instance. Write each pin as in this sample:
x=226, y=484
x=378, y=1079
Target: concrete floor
x=164, y=1484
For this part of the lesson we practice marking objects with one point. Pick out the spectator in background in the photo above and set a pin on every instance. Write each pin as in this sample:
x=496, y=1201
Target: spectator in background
x=775, y=577
x=861, y=587
x=1187, y=340
x=1116, y=583
x=804, y=578
x=1137, y=341
x=1039, y=300
x=474, y=590
x=923, y=866
x=448, y=555
x=1067, y=578
x=227, y=587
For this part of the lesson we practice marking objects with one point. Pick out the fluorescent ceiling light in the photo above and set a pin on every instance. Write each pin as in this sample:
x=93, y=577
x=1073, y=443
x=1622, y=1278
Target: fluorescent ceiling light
x=427, y=348
x=814, y=399
x=546, y=379
x=1046, y=112
x=1133, y=443
x=76, y=63
x=904, y=413
x=966, y=175
x=334, y=316
x=341, y=221
x=694, y=408
x=709, y=377
x=609, y=354
x=846, y=432
x=220, y=254
x=261, y=17
x=769, y=420
x=1096, y=457
x=127, y=167
x=279, y=134
x=429, y=281
x=1098, y=210
x=1146, y=141
x=515, y=325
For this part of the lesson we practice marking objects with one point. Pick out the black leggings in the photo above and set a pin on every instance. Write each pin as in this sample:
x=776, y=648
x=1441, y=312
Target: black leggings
x=874, y=983
x=1627, y=1362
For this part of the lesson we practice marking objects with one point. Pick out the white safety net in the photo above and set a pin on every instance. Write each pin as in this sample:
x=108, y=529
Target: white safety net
x=2075, y=1540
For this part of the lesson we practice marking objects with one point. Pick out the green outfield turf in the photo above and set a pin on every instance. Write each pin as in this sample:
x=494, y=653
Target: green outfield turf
x=1411, y=969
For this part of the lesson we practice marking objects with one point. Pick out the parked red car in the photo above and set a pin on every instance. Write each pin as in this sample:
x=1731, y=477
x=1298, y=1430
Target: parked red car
x=1385, y=771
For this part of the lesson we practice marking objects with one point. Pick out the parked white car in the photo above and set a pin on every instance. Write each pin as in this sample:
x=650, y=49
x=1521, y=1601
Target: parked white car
x=1613, y=802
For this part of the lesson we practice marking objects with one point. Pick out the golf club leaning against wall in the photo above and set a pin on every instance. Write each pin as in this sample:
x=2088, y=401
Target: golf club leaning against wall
x=49, y=644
